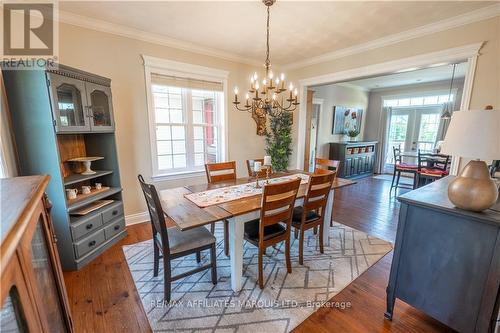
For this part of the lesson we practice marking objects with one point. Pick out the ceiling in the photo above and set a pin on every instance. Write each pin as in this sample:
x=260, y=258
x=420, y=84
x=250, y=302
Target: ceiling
x=425, y=75
x=299, y=29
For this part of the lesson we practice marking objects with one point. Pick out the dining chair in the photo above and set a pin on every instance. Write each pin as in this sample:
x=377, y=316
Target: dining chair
x=173, y=243
x=275, y=221
x=399, y=167
x=219, y=172
x=312, y=213
x=325, y=164
x=262, y=173
x=431, y=167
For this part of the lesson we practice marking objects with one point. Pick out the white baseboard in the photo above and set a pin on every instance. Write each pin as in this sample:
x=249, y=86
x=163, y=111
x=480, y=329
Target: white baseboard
x=136, y=218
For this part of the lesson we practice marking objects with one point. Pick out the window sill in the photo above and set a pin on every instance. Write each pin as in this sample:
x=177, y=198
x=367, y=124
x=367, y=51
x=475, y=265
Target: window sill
x=178, y=175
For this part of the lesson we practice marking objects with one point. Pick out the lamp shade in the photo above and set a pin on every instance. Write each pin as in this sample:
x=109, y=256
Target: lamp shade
x=474, y=134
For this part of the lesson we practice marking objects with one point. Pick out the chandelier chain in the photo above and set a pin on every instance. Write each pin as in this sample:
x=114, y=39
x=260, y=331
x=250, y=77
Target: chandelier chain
x=268, y=62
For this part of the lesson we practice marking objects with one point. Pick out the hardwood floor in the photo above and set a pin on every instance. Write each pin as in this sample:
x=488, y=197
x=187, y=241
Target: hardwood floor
x=103, y=297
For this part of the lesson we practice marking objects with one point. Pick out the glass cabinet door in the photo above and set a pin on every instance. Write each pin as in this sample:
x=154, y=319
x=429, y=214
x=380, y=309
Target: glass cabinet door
x=101, y=108
x=45, y=279
x=17, y=313
x=69, y=103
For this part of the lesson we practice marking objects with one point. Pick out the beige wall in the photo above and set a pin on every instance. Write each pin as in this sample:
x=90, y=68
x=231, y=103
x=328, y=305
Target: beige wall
x=335, y=94
x=486, y=89
x=119, y=58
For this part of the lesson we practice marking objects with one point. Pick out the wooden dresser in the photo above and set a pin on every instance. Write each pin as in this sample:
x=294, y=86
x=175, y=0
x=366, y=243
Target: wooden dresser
x=447, y=260
x=33, y=295
x=357, y=159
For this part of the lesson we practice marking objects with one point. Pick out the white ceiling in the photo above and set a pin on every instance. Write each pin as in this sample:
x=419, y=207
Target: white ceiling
x=299, y=29
x=425, y=75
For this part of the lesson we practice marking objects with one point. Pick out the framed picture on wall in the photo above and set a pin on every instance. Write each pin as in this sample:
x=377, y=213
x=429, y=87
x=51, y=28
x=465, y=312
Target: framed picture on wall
x=346, y=119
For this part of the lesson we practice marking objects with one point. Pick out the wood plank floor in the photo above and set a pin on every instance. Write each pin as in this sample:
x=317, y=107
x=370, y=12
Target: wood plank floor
x=103, y=297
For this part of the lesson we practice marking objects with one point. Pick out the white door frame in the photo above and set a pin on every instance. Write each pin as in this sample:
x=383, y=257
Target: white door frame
x=467, y=52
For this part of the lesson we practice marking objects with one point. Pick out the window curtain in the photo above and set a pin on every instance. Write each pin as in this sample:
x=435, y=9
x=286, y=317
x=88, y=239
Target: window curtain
x=445, y=123
x=383, y=136
x=182, y=82
x=7, y=152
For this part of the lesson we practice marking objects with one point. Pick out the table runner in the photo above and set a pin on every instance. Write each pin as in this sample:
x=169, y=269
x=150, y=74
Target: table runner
x=235, y=192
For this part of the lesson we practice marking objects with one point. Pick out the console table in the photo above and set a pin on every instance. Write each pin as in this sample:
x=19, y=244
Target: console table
x=446, y=260
x=357, y=159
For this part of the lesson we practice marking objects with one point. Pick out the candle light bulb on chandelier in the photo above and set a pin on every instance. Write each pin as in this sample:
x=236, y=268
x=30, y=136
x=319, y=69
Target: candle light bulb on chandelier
x=271, y=75
x=290, y=87
x=274, y=97
x=255, y=76
x=236, y=90
x=247, y=96
x=277, y=81
x=282, y=76
x=295, y=92
x=264, y=82
x=257, y=85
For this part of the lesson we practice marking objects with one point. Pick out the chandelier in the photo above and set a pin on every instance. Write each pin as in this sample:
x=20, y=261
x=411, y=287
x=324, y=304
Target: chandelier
x=271, y=97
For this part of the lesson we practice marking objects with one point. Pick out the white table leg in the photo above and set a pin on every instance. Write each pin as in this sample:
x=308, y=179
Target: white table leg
x=328, y=218
x=236, y=228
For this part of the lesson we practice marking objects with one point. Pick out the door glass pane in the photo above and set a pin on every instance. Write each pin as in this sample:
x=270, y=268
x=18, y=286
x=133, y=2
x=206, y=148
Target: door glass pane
x=45, y=280
x=100, y=108
x=11, y=316
x=69, y=102
x=427, y=134
x=397, y=135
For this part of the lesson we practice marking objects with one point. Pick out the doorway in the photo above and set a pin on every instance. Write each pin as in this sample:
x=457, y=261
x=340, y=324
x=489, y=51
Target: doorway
x=412, y=129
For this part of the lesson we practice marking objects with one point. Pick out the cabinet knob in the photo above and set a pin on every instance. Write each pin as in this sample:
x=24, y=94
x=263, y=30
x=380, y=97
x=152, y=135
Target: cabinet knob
x=92, y=243
x=89, y=226
x=115, y=212
x=117, y=227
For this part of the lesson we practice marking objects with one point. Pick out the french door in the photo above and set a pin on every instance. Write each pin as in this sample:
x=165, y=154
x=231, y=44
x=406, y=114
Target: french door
x=412, y=128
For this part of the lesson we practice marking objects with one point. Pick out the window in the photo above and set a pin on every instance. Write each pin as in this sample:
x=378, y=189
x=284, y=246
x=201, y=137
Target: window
x=186, y=121
x=419, y=100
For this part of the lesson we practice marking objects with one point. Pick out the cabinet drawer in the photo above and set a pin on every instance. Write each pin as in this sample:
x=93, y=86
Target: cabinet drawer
x=114, y=228
x=85, y=225
x=112, y=211
x=89, y=243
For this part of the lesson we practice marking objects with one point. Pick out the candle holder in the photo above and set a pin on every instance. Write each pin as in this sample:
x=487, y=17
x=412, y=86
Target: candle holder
x=267, y=174
x=257, y=185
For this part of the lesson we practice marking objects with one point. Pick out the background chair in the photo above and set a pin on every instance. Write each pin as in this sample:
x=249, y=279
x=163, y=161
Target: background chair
x=399, y=167
x=219, y=172
x=173, y=243
x=311, y=213
x=275, y=221
x=262, y=173
x=432, y=167
x=324, y=164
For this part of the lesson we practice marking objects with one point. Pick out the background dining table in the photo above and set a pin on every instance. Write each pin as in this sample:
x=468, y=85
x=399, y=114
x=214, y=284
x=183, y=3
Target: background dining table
x=185, y=214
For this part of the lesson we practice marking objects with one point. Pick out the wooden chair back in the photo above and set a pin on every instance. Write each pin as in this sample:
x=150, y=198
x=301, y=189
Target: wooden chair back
x=262, y=173
x=317, y=192
x=277, y=204
x=217, y=172
x=322, y=163
x=433, y=161
x=156, y=214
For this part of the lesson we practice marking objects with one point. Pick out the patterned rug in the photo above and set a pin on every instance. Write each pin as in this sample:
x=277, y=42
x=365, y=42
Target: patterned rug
x=286, y=300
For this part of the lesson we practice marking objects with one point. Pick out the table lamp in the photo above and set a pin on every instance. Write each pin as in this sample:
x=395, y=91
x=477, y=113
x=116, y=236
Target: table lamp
x=473, y=134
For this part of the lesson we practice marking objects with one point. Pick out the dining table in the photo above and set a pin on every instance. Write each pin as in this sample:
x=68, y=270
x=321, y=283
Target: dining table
x=186, y=214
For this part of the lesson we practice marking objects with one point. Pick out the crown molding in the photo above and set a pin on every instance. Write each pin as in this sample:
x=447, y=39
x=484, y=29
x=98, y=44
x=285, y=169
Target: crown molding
x=452, y=22
x=124, y=31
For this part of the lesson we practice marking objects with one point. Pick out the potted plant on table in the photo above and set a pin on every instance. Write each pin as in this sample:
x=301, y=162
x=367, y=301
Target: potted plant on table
x=278, y=140
x=352, y=134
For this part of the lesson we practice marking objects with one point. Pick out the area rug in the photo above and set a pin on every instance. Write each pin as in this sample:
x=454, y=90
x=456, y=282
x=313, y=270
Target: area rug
x=402, y=180
x=286, y=300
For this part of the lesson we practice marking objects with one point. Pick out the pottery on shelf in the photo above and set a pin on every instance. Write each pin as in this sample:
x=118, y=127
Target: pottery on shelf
x=86, y=161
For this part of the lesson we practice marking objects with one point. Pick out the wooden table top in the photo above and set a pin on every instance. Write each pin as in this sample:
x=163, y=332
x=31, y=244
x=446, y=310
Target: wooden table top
x=187, y=215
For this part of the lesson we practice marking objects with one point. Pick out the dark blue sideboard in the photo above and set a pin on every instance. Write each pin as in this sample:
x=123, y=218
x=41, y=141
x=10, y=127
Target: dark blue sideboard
x=446, y=260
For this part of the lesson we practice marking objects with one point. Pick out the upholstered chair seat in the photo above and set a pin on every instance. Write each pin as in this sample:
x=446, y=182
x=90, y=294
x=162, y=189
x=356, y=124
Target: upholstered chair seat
x=271, y=231
x=182, y=241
